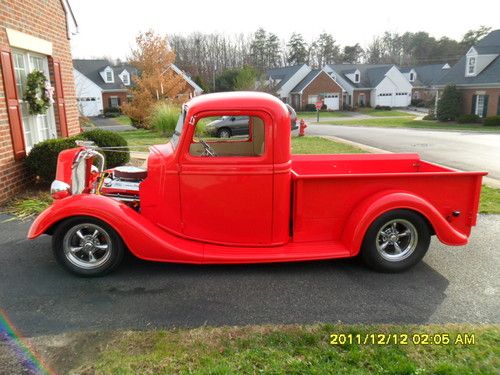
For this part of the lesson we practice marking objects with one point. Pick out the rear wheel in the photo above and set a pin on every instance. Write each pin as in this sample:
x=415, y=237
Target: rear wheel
x=87, y=247
x=224, y=133
x=396, y=241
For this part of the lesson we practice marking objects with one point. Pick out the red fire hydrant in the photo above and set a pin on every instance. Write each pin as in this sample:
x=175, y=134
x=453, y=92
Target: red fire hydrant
x=302, y=128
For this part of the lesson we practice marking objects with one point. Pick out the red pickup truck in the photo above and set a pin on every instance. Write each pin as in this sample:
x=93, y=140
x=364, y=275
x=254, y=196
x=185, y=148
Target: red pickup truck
x=250, y=200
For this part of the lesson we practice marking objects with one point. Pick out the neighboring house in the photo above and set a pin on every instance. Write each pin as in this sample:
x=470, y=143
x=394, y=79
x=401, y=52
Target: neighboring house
x=101, y=85
x=424, y=78
x=34, y=34
x=317, y=85
x=371, y=85
x=477, y=76
x=299, y=85
x=281, y=81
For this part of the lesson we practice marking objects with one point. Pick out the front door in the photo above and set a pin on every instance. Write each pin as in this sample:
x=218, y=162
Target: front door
x=227, y=198
x=36, y=128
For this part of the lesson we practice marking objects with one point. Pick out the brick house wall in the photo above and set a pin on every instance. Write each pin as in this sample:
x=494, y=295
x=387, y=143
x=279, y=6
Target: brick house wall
x=425, y=94
x=44, y=19
x=357, y=94
x=323, y=83
x=121, y=95
x=493, y=99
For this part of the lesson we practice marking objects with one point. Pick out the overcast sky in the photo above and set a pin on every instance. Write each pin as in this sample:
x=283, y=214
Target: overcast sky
x=108, y=27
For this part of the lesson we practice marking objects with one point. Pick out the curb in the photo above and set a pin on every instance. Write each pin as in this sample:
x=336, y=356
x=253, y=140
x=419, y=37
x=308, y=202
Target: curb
x=488, y=181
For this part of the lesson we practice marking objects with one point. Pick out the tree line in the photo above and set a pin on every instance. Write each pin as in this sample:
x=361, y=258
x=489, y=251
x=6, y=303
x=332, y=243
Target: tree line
x=213, y=58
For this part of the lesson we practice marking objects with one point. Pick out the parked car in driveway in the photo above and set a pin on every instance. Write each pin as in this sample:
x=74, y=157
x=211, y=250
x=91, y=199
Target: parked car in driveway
x=230, y=126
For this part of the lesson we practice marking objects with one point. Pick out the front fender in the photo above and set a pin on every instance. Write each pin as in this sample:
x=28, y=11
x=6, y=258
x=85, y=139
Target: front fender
x=142, y=237
x=368, y=211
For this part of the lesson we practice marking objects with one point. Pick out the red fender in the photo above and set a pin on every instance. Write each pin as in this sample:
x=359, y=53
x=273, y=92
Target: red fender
x=368, y=211
x=137, y=232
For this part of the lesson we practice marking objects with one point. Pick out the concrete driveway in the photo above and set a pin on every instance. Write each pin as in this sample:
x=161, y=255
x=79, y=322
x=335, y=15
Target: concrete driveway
x=450, y=285
x=109, y=123
x=470, y=151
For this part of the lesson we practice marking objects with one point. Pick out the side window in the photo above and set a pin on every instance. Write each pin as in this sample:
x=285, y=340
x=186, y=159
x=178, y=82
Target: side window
x=227, y=136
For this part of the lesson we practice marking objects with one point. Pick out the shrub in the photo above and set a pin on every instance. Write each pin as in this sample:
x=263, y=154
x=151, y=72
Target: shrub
x=419, y=103
x=112, y=112
x=106, y=138
x=429, y=117
x=164, y=117
x=492, y=121
x=310, y=108
x=383, y=108
x=468, y=119
x=42, y=159
x=449, y=104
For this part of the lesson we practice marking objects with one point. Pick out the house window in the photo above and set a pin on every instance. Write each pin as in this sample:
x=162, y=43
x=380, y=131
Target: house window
x=312, y=99
x=356, y=77
x=480, y=105
x=412, y=77
x=471, y=66
x=361, y=100
x=109, y=76
x=114, y=101
x=126, y=80
x=36, y=128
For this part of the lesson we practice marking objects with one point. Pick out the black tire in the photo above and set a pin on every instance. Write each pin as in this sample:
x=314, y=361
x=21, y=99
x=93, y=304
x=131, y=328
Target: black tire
x=224, y=133
x=390, y=258
x=63, y=236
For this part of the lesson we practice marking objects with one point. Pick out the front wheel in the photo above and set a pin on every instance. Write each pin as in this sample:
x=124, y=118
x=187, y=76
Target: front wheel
x=396, y=241
x=87, y=247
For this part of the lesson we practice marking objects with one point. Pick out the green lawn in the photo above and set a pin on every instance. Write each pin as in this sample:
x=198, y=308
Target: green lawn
x=322, y=114
x=307, y=349
x=490, y=200
x=417, y=124
x=124, y=120
x=382, y=113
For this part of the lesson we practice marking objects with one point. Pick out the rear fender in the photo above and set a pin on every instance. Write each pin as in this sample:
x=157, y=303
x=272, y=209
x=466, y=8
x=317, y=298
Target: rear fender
x=369, y=210
x=143, y=238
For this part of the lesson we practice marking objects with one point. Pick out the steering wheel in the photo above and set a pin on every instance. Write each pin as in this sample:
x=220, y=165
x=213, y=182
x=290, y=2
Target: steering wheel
x=209, y=151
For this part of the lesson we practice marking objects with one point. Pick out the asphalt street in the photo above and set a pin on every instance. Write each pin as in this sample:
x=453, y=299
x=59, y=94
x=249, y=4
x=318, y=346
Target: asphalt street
x=450, y=285
x=470, y=151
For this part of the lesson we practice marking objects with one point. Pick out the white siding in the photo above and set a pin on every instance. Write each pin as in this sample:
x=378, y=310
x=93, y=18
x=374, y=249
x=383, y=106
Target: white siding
x=88, y=95
x=394, y=83
x=284, y=91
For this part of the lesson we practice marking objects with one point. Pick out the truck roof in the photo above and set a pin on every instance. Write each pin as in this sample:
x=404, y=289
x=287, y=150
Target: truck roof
x=239, y=100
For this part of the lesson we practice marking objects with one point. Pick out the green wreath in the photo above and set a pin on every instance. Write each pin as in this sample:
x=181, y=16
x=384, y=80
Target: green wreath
x=36, y=95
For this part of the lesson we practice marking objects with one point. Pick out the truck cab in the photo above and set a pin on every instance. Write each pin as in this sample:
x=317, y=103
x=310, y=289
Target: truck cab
x=247, y=199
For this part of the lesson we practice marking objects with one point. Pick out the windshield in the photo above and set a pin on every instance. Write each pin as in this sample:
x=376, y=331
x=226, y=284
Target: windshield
x=178, y=129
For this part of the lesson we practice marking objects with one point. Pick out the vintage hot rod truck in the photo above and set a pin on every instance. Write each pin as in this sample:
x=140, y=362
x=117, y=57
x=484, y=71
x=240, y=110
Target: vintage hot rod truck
x=250, y=200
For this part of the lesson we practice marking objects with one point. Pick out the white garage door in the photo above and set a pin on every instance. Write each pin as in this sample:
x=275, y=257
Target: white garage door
x=332, y=102
x=401, y=99
x=384, y=99
x=89, y=106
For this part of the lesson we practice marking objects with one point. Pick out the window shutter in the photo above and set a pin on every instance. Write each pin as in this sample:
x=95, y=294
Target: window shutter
x=13, y=109
x=498, y=106
x=485, y=106
x=119, y=101
x=473, y=106
x=60, y=103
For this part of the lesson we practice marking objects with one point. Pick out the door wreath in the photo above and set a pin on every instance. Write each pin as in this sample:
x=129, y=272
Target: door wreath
x=38, y=93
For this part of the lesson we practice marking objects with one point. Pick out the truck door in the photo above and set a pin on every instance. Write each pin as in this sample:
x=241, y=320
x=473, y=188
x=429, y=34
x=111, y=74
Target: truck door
x=226, y=186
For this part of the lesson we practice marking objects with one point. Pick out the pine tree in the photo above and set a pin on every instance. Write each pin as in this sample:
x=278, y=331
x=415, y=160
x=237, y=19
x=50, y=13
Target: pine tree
x=448, y=108
x=258, y=49
x=297, y=49
x=273, y=51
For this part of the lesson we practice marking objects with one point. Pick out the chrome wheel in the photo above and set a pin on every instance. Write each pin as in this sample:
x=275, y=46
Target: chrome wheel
x=224, y=133
x=87, y=246
x=396, y=240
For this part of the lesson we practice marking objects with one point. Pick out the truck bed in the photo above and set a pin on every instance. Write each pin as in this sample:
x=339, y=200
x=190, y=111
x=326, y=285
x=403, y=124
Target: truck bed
x=327, y=188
